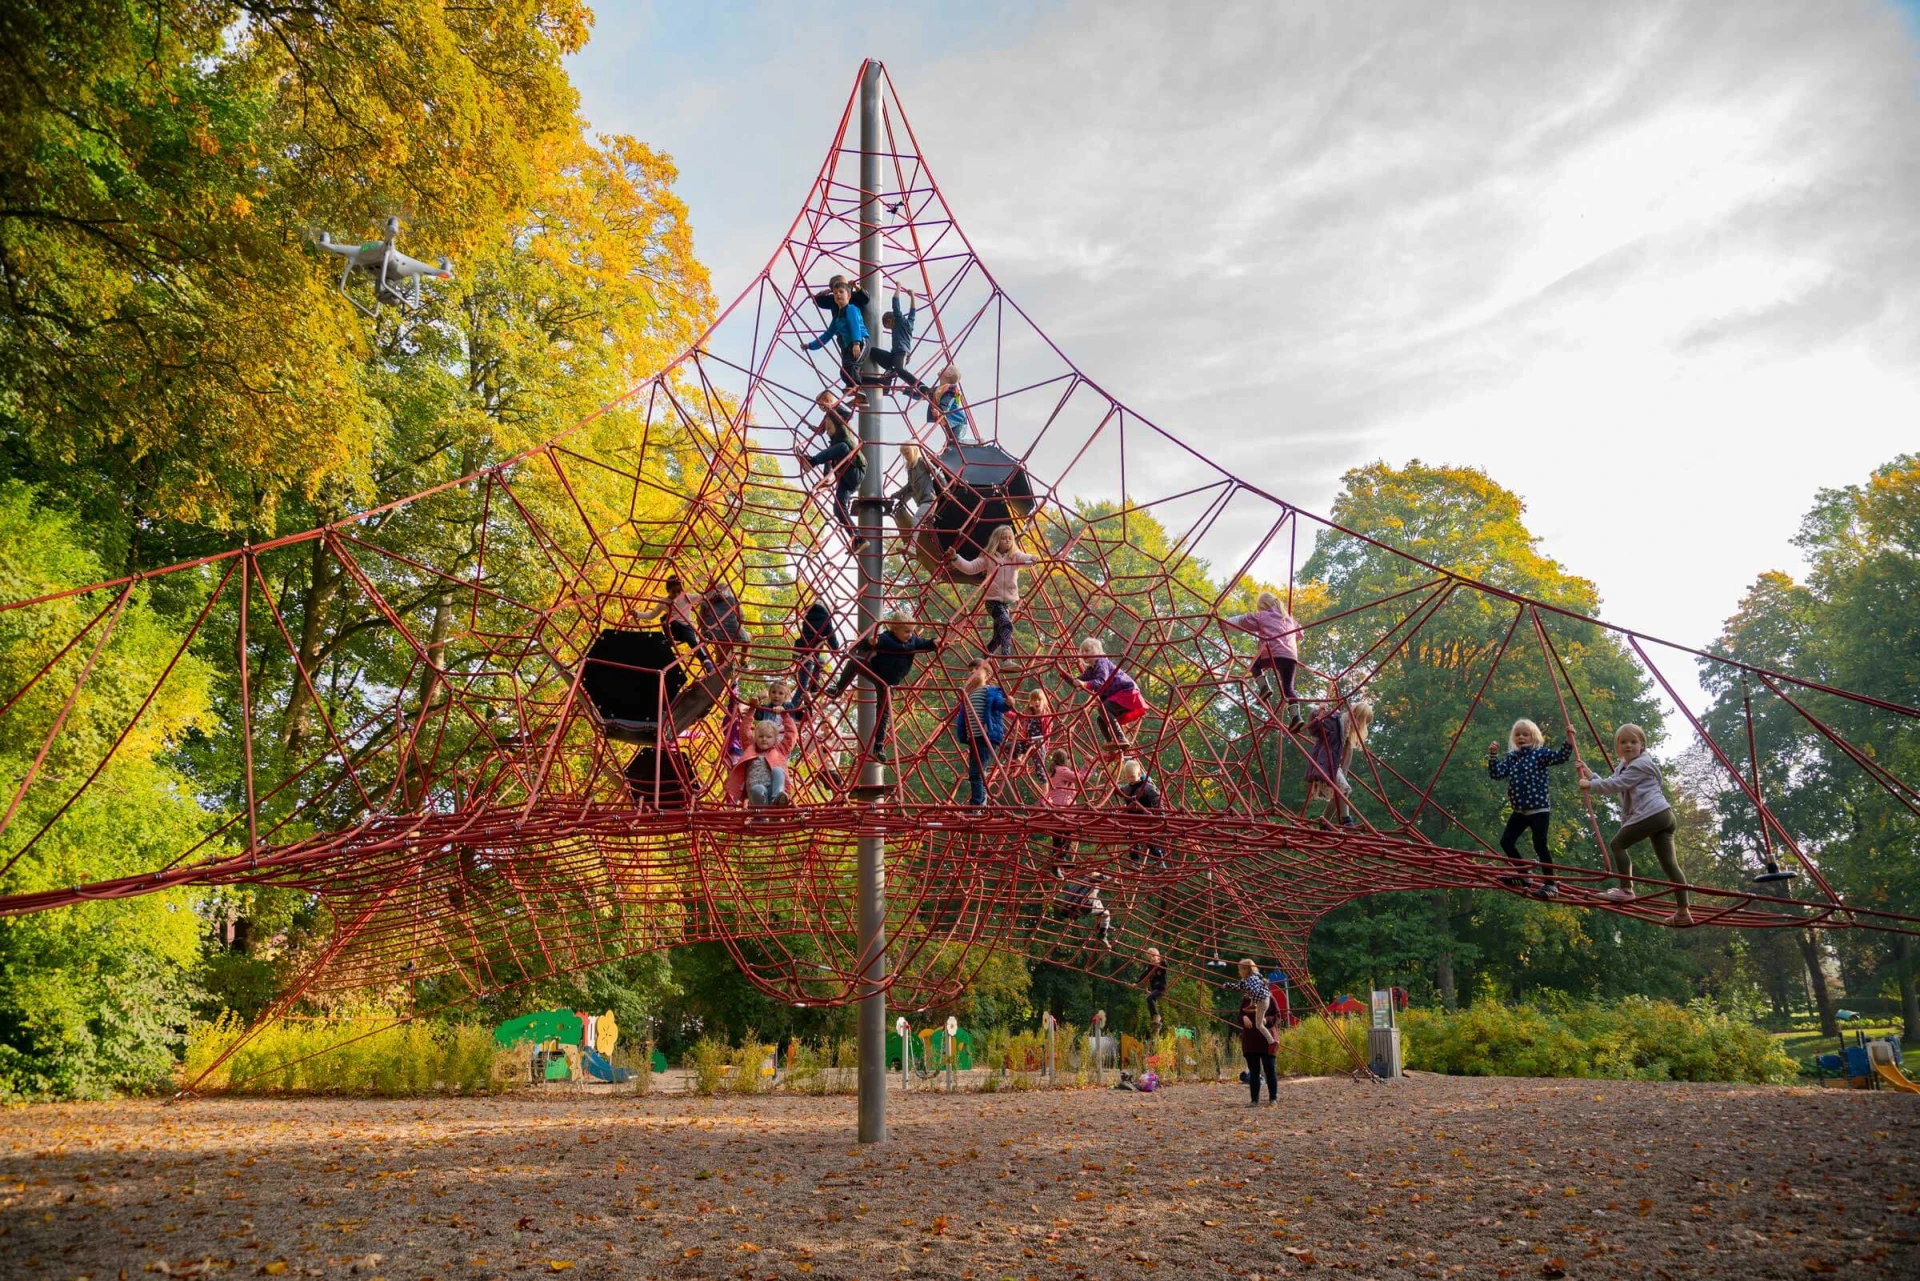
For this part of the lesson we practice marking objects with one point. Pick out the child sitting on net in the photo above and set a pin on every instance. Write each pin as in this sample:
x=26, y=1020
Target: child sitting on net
x=1140, y=797
x=1531, y=806
x=1254, y=986
x=1081, y=898
x=759, y=777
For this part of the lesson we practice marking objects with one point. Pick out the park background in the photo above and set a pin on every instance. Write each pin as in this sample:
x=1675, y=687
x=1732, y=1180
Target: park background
x=181, y=375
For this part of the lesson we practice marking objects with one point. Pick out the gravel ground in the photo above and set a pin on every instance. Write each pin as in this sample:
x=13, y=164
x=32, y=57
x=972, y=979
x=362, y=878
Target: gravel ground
x=1431, y=1177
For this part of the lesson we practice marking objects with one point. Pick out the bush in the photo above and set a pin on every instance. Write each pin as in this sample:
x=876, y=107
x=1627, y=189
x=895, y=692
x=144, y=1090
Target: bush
x=1634, y=1039
x=747, y=1061
x=706, y=1065
x=369, y=1055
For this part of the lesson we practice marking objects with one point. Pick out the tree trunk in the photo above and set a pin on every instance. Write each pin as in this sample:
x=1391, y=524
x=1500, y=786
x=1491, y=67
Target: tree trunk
x=1817, y=980
x=322, y=580
x=1443, y=965
x=1909, y=990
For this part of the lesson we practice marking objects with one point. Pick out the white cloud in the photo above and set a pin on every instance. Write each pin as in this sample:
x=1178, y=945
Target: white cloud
x=1652, y=265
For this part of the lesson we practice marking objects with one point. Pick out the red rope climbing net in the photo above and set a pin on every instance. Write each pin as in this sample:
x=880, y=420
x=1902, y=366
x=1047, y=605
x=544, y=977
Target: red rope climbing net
x=482, y=815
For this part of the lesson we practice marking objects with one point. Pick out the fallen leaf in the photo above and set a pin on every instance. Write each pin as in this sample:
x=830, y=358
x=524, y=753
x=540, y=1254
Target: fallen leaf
x=559, y=1265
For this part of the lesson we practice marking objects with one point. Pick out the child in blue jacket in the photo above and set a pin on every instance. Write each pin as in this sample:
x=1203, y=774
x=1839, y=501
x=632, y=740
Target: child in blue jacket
x=1525, y=768
x=980, y=726
x=846, y=326
x=899, y=326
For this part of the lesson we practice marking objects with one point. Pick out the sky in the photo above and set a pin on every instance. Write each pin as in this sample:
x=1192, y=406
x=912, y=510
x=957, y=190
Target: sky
x=1653, y=266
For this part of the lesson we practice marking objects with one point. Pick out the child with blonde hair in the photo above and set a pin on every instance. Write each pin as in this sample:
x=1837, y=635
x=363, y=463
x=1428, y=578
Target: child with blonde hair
x=1645, y=815
x=947, y=406
x=1116, y=693
x=1140, y=797
x=759, y=776
x=1530, y=806
x=1278, y=651
x=1000, y=562
x=1334, y=735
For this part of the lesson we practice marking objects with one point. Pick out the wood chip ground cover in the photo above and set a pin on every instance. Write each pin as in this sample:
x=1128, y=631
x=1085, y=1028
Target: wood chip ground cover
x=1429, y=1177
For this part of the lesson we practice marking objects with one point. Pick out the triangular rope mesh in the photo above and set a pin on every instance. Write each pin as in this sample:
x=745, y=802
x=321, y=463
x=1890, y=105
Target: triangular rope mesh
x=481, y=822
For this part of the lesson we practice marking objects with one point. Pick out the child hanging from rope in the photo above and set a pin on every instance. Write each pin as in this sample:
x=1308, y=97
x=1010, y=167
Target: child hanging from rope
x=678, y=609
x=1032, y=733
x=1333, y=737
x=1278, y=651
x=1254, y=987
x=759, y=777
x=1000, y=562
x=947, y=406
x=1081, y=897
x=1063, y=793
x=846, y=327
x=1645, y=815
x=840, y=459
x=1118, y=697
x=1525, y=768
x=980, y=726
x=1140, y=797
x=885, y=657
x=817, y=639
x=899, y=326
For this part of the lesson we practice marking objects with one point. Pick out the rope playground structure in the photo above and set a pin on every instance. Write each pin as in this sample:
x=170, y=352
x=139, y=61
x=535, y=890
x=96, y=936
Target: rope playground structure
x=520, y=754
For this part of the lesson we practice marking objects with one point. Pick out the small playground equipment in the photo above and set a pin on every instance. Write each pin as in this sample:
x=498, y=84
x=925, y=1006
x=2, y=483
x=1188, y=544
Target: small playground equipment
x=566, y=1045
x=984, y=487
x=1867, y=1064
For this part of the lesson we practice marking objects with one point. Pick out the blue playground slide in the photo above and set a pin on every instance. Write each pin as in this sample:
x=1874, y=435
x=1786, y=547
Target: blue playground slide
x=597, y=1068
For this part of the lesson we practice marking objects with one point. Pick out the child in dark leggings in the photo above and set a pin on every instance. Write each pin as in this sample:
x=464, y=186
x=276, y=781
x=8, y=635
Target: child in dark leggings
x=1525, y=768
x=1645, y=815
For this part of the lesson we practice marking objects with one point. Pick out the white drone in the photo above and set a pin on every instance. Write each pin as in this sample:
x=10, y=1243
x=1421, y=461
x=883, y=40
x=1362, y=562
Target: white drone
x=389, y=268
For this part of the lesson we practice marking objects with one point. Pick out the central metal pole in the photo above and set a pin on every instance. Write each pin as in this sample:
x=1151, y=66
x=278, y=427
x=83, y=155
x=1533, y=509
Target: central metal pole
x=873, y=848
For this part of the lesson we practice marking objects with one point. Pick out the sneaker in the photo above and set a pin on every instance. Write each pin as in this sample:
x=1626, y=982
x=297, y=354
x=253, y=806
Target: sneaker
x=1548, y=890
x=1681, y=919
x=1349, y=821
x=1618, y=895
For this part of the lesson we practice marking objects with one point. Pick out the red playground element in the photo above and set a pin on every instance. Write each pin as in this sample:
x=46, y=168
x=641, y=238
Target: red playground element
x=537, y=783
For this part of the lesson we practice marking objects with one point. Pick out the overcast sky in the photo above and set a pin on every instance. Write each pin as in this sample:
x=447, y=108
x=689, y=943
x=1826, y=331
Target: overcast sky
x=1652, y=266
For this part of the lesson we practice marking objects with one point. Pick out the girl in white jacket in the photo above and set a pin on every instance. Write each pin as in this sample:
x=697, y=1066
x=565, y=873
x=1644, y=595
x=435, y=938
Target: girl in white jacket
x=1645, y=814
x=1000, y=563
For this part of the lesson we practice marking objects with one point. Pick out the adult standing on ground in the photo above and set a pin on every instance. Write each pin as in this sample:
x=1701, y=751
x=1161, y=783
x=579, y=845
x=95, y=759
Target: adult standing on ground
x=1257, y=1043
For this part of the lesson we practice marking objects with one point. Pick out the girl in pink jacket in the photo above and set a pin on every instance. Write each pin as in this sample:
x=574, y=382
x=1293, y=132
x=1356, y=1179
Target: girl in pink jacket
x=1000, y=564
x=1063, y=792
x=1279, y=649
x=759, y=777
